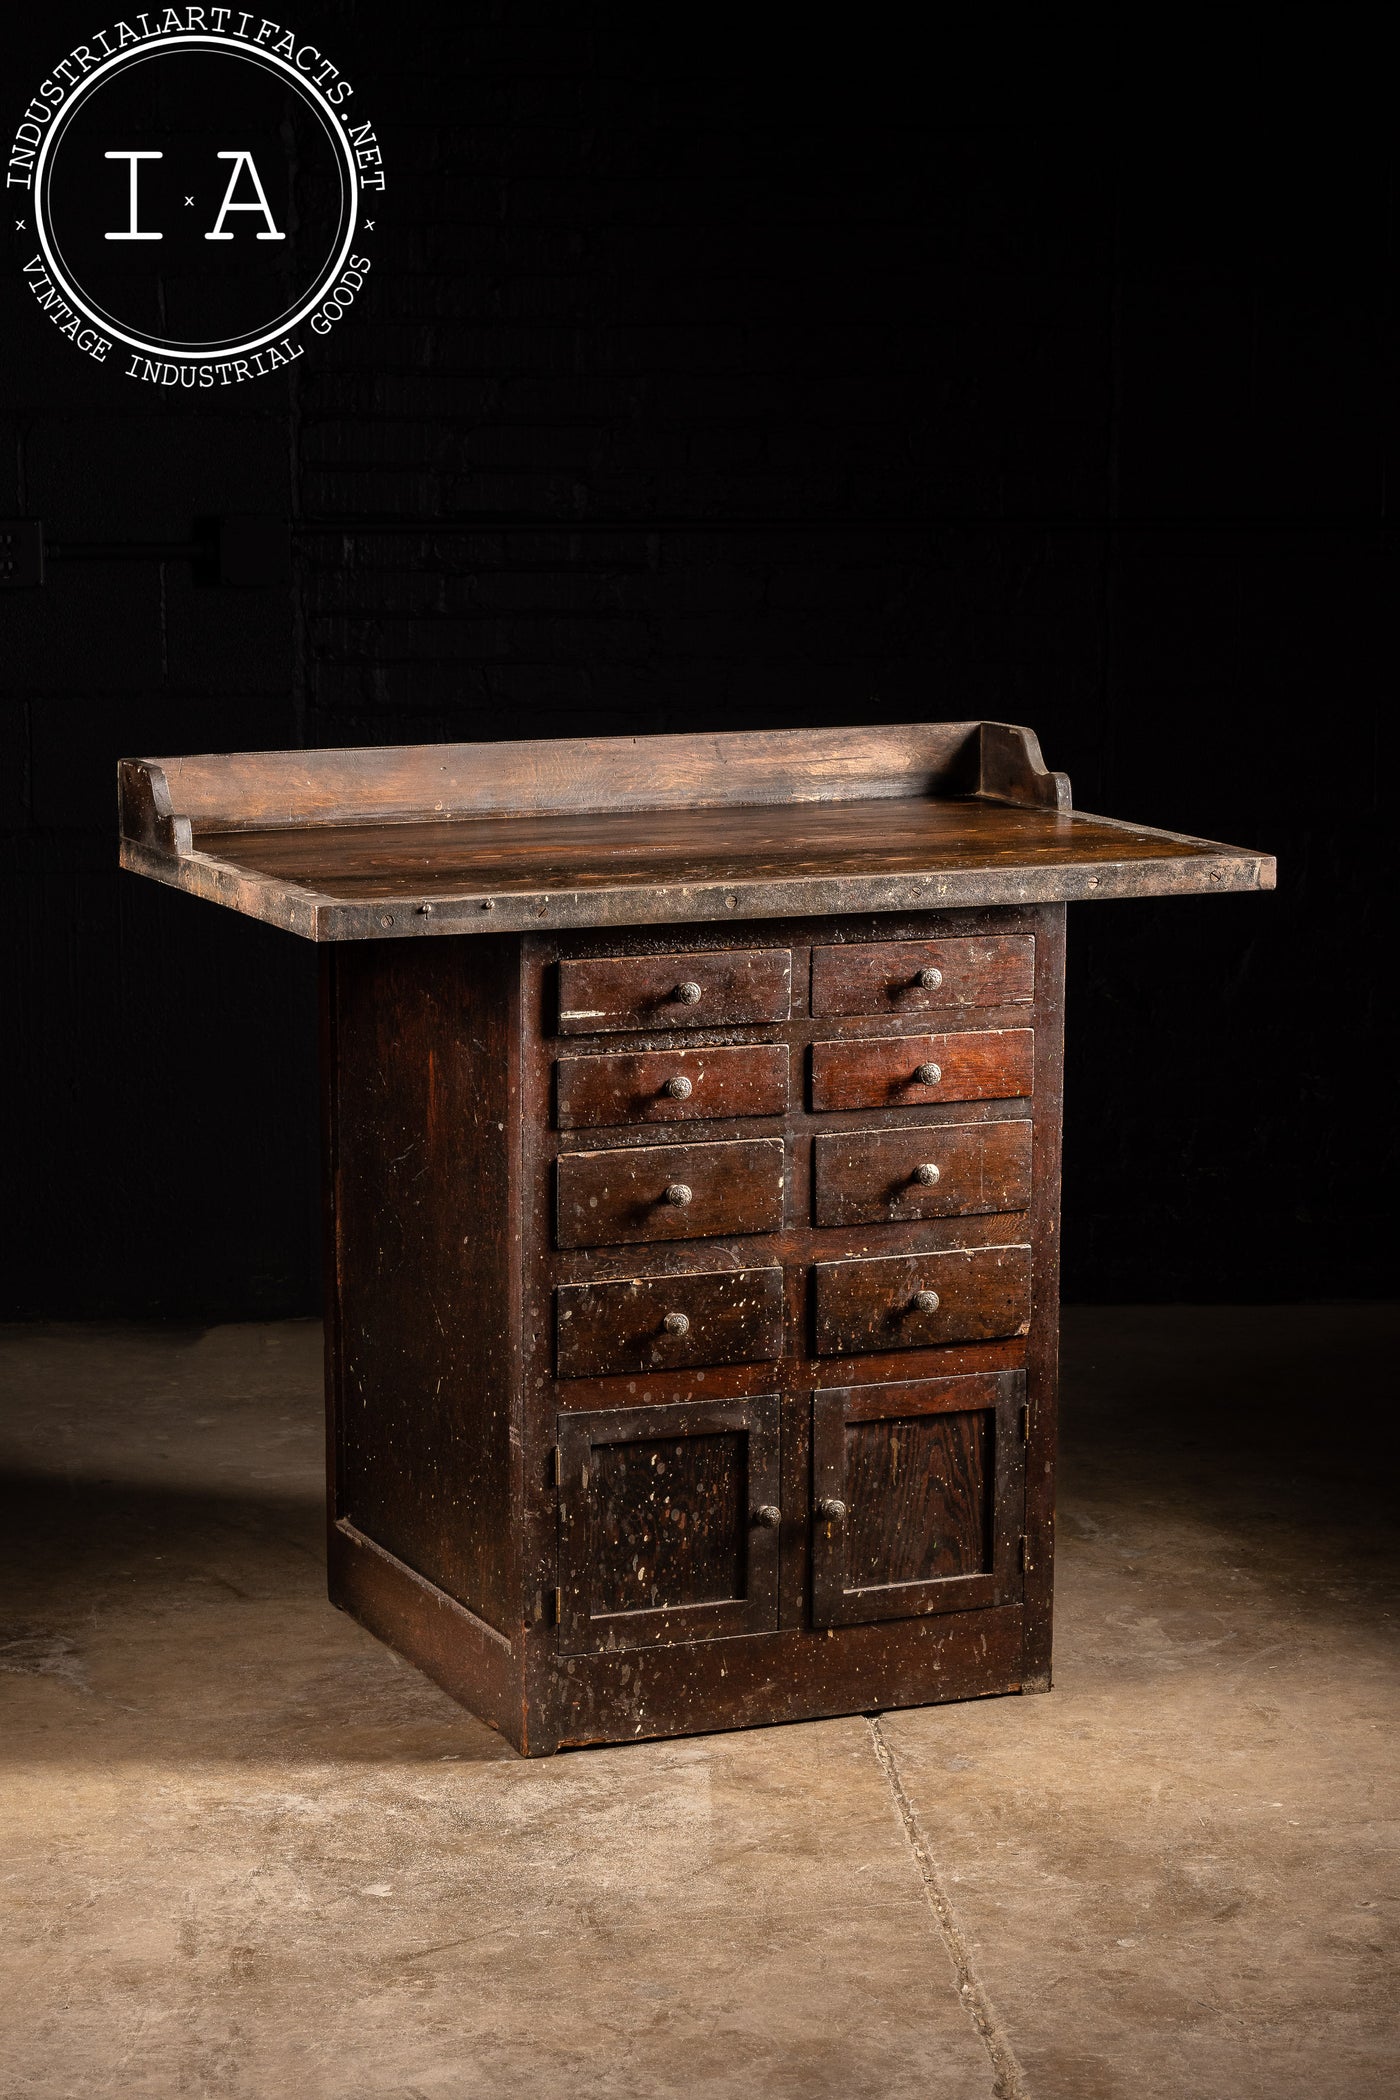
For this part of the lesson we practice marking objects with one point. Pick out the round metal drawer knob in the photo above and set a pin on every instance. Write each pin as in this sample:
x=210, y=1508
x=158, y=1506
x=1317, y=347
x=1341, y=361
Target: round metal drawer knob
x=688, y=994
x=926, y=1301
x=768, y=1516
x=679, y=1088
x=929, y=1075
x=677, y=1323
x=832, y=1509
x=926, y=1174
x=677, y=1192
x=929, y=980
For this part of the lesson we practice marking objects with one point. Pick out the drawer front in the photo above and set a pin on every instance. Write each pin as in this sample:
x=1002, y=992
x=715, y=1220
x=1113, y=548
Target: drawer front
x=915, y=977
x=863, y=1177
x=976, y=1294
x=612, y=992
x=671, y=1086
x=668, y=1323
x=900, y=1071
x=669, y=1192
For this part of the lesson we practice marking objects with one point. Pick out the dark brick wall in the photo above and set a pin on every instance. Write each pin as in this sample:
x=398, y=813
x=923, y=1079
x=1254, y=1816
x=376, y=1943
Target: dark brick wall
x=741, y=383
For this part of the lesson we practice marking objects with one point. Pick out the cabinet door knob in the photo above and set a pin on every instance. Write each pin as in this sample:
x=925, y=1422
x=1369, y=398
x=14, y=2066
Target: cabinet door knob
x=677, y=1323
x=926, y=1174
x=679, y=1088
x=677, y=1192
x=688, y=993
x=831, y=1509
x=929, y=980
x=929, y=1075
x=768, y=1516
x=926, y=1301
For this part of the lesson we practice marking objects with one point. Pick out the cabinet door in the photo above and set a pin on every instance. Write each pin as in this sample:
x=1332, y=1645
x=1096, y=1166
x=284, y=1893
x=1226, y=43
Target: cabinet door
x=668, y=1523
x=917, y=1497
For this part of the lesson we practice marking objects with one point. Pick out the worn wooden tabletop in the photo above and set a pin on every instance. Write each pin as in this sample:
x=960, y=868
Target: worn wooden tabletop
x=361, y=845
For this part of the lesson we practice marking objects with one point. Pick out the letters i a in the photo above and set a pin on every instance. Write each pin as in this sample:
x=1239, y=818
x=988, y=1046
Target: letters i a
x=241, y=160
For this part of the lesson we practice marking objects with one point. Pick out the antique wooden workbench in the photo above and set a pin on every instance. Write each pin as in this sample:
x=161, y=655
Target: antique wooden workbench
x=692, y=1111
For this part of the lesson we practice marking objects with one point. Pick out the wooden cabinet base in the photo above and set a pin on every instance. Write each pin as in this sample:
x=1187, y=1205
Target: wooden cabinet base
x=612, y=1455
x=562, y=1703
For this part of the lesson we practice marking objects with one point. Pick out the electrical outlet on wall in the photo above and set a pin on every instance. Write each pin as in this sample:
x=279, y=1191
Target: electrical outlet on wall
x=21, y=551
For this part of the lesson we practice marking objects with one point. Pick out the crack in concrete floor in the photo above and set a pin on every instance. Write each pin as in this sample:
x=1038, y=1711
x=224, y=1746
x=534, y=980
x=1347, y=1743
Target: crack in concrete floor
x=1007, y=2080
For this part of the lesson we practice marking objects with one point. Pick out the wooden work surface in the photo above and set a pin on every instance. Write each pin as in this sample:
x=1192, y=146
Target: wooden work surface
x=355, y=859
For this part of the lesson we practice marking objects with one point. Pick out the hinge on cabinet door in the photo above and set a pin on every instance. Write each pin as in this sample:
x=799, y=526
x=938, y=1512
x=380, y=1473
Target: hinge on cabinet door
x=1026, y=1561
x=1026, y=1423
x=559, y=1465
x=558, y=1607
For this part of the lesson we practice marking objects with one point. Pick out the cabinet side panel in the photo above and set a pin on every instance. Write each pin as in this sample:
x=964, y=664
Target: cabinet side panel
x=425, y=1197
x=1043, y=1342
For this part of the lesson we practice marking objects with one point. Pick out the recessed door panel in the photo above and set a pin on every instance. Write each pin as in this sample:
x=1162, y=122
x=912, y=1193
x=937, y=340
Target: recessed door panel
x=917, y=1496
x=668, y=1523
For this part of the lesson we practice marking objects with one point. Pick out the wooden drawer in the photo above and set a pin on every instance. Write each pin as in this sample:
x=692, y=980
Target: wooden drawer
x=915, y=977
x=898, y=1071
x=671, y=1086
x=667, y=1323
x=978, y=1294
x=669, y=1192
x=602, y=995
x=949, y=1170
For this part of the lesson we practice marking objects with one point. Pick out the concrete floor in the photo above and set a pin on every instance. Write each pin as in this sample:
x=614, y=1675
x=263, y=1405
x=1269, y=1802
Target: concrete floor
x=248, y=1853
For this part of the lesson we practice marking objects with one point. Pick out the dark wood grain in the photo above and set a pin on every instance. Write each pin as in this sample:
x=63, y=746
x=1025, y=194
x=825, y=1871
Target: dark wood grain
x=242, y=790
x=974, y=1064
x=599, y=997
x=865, y=1177
x=545, y=1683
x=1043, y=1337
x=375, y=843
x=884, y=977
x=732, y=1316
x=864, y=1304
x=425, y=1075
x=919, y=1495
x=786, y=1676
x=928, y=1477
x=609, y=1198
x=658, y=1537
x=550, y=859
x=671, y=1086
